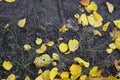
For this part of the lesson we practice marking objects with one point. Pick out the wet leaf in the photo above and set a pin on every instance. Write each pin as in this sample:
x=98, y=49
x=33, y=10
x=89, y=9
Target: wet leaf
x=92, y=7
x=11, y=77
x=82, y=62
x=84, y=2
x=63, y=29
x=83, y=20
x=117, y=23
x=7, y=65
x=64, y=75
x=38, y=41
x=42, y=49
x=105, y=26
x=73, y=45
x=26, y=47
x=10, y=1
x=97, y=33
x=63, y=47
x=53, y=73
x=22, y=22
x=95, y=72
x=27, y=78
x=55, y=56
x=110, y=7
x=43, y=61
x=50, y=43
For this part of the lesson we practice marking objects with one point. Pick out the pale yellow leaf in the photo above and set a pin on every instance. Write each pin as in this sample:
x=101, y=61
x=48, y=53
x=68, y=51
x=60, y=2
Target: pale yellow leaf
x=97, y=33
x=50, y=43
x=112, y=45
x=77, y=15
x=117, y=23
x=55, y=56
x=11, y=77
x=22, y=22
x=38, y=41
x=27, y=78
x=110, y=7
x=97, y=16
x=54, y=63
x=42, y=49
x=26, y=47
x=40, y=71
x=83, y=20
x=7, y=65
x=10, y=1
x=109, y=50
x=73, y=45
x=83, y=77
x=43, y=61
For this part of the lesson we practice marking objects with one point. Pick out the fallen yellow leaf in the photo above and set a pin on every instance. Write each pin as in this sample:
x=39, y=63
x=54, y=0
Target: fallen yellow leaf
x=38, y=41
x=22, y=22
x=109, y=50
x=54, y=63
x=82, y=62
x=11, y=77
x=26, y=47
x=43, y=61
x=105, y=26
x=92, y=7
x=112, y=45
x=7, y=65
x=55, y=56
x=117, y=23
x=77, y=15
x=117, y=43
x=97, y=33
x=73, y=45
x=63, y=47
x=50, y=43
x=42, y=49
x=83, y=77
x=64, y=74
x=10, y=1
x=63, y=29
x=85, y=2
x=110, y=7
x=97, y=16
x=53, y=73
x=83, y=20
x=27, y=78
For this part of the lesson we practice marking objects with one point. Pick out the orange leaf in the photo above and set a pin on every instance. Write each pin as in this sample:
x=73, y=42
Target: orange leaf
x=85, y=2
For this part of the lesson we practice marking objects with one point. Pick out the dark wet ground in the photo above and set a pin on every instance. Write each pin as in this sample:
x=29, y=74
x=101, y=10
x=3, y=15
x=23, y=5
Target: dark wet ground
x=44, y=18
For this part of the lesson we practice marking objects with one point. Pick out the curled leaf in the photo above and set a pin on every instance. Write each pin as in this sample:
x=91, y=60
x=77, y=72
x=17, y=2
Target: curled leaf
x=63, y=47
x=82, y=62
x=50, y=43
x=97, y=33
x=22, y=22
x=83, y=20
x=43, y=61
x=110, y=7
x=7, y=65
x=105, y=26
x=92, y=7
x=42, y=49
x=73, y=45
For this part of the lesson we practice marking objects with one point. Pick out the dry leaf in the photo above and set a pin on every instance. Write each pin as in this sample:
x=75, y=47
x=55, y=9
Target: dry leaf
x=54, y=63
x=10, y=1
x=7, y=65
x=26, y=47
x=110, y=7
x=73, y=45
x=97, y=33
x=83, y=20
x=92, y=7
x=84, y=2
x=105, y=26
x=117, y=23
x=112, y=46
x=38, y=41
x=77, y=15
x=42, y=49
x=27, y=78
x=63, y=29
x=97, y=16
x=63, y=47
x=117, y=66
x=53, y=73
x=22, y=22
x=11, y=77
x=43, y=61
x=115, y=33
x=83, y=77
x=55, y=56
x=40, y=71
x=82, y=62
x=95, y=78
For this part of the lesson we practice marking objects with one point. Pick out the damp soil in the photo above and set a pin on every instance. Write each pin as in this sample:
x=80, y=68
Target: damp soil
x=44, y=18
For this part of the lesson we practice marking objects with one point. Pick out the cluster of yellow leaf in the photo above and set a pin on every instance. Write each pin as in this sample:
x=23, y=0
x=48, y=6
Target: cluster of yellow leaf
x=72, y=46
